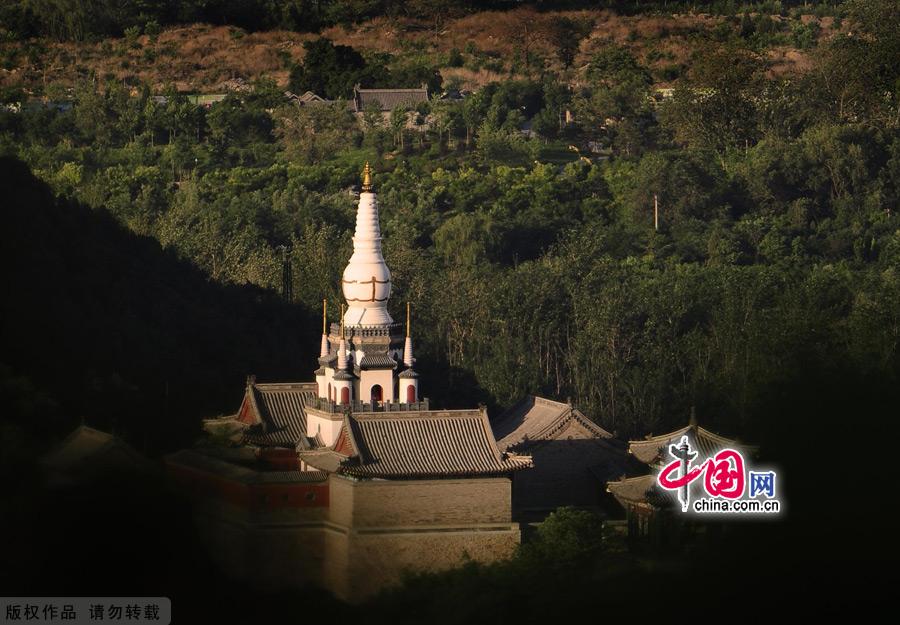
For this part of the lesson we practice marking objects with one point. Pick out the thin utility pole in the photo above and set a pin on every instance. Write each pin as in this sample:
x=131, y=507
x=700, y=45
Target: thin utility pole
x=655, y=212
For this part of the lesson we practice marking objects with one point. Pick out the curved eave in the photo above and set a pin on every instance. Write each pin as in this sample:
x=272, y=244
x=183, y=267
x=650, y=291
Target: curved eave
x=324, y=460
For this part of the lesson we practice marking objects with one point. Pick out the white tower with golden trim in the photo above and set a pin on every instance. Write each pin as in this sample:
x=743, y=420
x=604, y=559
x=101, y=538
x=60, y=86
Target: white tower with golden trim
x=367, y=280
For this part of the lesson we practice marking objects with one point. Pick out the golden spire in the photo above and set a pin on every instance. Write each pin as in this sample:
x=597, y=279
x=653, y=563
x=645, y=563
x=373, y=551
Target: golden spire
x=407, y=318
x=324, y=315
x=367, y=178
x=342, y=321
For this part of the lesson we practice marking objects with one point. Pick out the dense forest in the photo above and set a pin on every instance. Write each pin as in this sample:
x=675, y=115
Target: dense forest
x=639, y=226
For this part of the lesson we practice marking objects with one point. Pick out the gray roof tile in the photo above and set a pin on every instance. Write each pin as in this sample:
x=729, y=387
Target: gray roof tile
x=419, y=444
x=653, y=449
x=536, y=418
x=282, y=412
x=374, y=361
x=388, y=99
x=640, y=490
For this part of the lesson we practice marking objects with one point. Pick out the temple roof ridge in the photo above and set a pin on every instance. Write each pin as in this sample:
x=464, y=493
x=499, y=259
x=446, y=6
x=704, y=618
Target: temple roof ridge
x=651, y=448
x=400, y=445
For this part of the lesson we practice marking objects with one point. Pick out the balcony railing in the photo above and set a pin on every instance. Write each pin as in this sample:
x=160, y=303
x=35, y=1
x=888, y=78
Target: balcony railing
x=326, y=405
x=363, y=330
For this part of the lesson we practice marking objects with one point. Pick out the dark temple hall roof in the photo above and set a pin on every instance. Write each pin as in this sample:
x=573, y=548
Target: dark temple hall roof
x=640, y=491
x=535, y=418
x=278, y=413
x=457, y=443
x=654, y=449
x=573, y=457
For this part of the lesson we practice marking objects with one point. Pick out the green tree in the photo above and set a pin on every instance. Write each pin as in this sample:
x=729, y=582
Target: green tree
x=565, y=34
x=714, y=109
x=616, y=106
x=314, y=132
x=331, y=71
x=565, y=536
x=858, y=71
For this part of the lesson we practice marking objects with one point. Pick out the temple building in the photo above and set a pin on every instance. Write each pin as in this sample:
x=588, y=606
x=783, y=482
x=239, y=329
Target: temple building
x=87, y=455
x=647, y=505
x=351, y=480
x=573, y=458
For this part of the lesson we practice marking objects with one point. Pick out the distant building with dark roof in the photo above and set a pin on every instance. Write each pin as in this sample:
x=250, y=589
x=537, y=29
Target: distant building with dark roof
x=87, y=454
x=307, y=98
x=652, y=449
x=386, y=100
x=573, y=457
x=647, y=505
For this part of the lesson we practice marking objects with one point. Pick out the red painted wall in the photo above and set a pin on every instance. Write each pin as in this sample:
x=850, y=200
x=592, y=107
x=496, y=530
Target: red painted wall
x=250, y=496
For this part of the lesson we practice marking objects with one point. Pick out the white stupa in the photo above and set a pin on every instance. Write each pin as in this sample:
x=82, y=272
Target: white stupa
x=366, y=363
x=367, y=280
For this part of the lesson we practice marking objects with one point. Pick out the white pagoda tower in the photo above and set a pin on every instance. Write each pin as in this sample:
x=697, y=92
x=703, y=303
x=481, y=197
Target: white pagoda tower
x=361, y=355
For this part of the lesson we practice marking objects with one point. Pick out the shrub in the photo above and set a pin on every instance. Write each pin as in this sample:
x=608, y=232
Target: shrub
x=455, y=58
x=131, y=36
x=565, y=536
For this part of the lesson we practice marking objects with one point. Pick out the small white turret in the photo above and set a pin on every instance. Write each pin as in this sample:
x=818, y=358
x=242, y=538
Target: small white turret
x=323, y=350
x=322, y=372
x=409, y=379
x=343, y=379
x=342, y=355
x=408, y=359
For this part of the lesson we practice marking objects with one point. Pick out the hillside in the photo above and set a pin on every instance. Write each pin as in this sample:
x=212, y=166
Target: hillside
x=469, y=51
x=100, y=324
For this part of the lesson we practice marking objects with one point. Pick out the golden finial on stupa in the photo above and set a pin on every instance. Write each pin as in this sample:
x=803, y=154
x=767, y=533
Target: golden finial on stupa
x=367, y=178
x=407, y=318
x=342, y=321
x=324, y=314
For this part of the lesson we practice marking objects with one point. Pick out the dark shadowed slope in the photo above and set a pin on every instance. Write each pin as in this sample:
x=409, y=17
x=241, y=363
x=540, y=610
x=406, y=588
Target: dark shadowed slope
x=122, y=333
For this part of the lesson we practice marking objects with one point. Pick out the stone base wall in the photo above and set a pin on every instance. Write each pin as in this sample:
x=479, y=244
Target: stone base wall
x=372, y=534
x=378, y=560
x=273, y=554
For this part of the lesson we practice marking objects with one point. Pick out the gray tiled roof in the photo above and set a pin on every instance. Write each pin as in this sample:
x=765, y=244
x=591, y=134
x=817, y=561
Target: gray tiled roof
x=310, y=98
x=375, y=361
x=640, y=490
x=423, y=444
x=323, y=459
x=428, y=443
x=388, y=99
x=88, y=450
x=654, y=449
x=573, y=457
x=536, y=418
x=281, y=409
